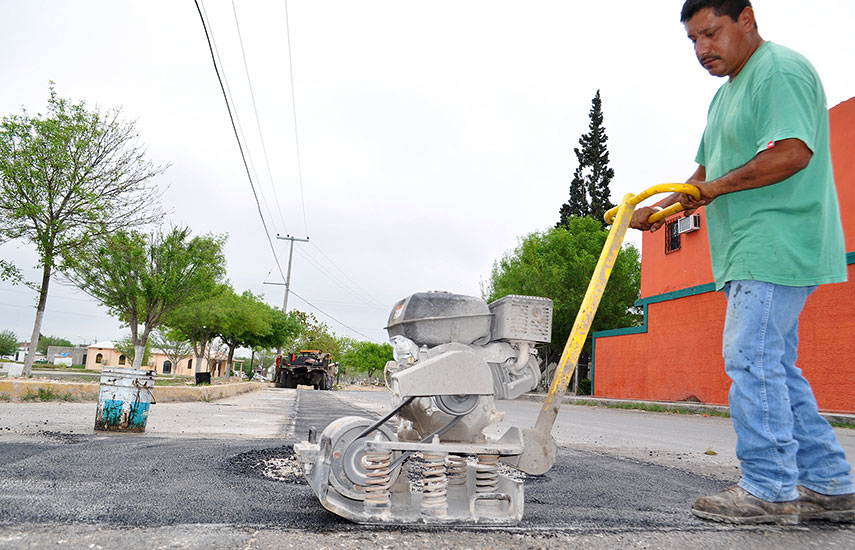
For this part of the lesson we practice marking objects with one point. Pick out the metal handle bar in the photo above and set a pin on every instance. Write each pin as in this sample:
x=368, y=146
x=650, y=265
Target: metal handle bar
x=655, y=190
x=540, y=449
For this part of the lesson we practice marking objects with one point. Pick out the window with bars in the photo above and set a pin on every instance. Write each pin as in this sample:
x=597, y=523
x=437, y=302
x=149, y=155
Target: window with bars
x=672, y=236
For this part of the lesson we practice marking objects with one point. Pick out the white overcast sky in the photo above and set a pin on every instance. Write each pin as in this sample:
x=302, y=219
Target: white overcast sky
x=432, y=134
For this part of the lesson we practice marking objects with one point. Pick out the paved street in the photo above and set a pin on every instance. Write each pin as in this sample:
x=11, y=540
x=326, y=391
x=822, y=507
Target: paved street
x=216, y=475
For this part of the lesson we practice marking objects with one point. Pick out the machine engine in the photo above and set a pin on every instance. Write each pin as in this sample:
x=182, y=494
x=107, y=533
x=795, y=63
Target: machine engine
x=454, y=356
x=457, y=354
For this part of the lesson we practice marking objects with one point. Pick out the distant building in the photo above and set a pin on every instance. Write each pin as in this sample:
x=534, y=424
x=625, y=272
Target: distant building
x=21, y=353
x=104, y=354
x=76, y=354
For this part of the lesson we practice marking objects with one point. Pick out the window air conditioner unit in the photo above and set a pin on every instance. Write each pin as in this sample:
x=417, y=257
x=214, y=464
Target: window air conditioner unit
x=687, y=225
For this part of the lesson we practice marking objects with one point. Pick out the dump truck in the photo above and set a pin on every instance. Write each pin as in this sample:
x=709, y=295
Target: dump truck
x=306, y=368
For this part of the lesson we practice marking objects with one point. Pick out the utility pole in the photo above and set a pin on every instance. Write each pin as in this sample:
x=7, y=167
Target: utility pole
x=288, y=276
x=290, y=259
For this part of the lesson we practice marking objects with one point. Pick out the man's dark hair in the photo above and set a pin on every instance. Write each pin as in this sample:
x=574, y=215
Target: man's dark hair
x=731, y=8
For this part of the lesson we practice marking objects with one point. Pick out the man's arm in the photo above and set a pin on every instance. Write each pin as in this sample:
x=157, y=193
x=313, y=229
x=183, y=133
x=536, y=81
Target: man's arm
x=774, y=165
x=639, y=217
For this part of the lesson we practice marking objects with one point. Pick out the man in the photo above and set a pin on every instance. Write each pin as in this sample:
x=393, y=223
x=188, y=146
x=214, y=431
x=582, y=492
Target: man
x=764, y=173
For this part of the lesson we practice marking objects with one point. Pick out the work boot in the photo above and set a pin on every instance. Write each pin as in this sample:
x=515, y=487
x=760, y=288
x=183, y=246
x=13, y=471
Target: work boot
x=816, y=506
x=736, y=505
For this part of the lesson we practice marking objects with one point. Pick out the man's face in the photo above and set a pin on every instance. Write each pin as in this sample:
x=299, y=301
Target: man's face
x=721, y=44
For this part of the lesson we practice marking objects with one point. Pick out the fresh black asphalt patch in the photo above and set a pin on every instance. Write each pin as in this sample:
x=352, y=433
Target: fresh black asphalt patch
x=145, y=481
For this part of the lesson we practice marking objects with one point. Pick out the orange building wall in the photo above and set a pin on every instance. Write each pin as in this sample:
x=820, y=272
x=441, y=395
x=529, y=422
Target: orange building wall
x=842, y=121
x=679, y=357
x=687, y=267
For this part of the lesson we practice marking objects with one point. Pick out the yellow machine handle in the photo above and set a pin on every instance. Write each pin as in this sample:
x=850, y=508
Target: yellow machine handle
x=655, y=190
x=540, y=448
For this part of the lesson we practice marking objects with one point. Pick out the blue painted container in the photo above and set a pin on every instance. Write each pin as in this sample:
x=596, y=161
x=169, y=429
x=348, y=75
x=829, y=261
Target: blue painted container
x=124, y=399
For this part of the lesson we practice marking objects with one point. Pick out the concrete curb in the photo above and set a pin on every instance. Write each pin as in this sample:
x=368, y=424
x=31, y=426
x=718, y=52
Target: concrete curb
x=166, y=394
x=675, y=406
x=16, y=389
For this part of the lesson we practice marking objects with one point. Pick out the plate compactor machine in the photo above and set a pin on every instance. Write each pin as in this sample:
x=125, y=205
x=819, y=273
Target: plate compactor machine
x=454, y=356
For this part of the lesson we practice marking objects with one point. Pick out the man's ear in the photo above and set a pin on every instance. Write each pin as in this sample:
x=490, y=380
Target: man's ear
x=746, y=20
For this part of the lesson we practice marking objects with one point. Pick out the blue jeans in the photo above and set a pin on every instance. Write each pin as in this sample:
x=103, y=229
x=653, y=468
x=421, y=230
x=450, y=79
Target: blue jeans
x=782, y=441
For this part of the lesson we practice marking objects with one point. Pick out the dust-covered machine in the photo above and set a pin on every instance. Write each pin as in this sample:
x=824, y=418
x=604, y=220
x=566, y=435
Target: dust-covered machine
x=454, y=355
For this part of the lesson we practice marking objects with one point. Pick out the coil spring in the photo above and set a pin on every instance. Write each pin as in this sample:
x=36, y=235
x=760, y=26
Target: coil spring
x=487, y=474
x=377, y=471
x=456, y=467
x=434, y=491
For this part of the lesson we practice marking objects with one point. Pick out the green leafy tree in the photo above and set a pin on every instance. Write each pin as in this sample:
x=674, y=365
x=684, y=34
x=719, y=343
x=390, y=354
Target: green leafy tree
x=558, y=264
x=46, y=341
x=8, y=342
x=201, y=321
x=141, y=279
x=367, y=357
x=66, y=177
x=589, y=190
x=284, y=330
x=345, y=344
x=316, y=335
x=9, y=272
x=285, y=327
x=172, y=344
x=247, y=318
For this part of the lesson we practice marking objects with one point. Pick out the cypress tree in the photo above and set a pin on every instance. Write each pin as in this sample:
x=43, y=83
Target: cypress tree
x=589, y=190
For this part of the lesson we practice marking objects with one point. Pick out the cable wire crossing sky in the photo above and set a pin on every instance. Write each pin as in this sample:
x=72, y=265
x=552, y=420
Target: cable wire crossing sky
x=413, y=142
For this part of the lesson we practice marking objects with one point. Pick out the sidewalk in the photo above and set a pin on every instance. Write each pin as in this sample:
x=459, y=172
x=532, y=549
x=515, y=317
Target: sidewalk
x=666, y=406
x=20, y=389
x=264, y=414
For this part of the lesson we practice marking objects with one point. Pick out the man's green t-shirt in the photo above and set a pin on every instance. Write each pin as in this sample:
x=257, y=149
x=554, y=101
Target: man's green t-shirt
x=788, y=233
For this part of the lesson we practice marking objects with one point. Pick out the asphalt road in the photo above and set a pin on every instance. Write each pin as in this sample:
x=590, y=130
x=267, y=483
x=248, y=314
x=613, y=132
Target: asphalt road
x=215, y=475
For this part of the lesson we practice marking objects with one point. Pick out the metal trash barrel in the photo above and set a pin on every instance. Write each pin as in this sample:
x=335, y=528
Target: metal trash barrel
x=124, y=399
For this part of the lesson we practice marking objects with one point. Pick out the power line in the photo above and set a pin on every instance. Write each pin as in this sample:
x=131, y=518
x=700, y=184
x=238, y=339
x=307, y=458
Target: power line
x=333, y=318
x=54, y=311
x=365, y=297
x=246, y=164
x=230, y=99
x=319, y=310
x=333, y=278
x=237, y=137
x=257, y=120
x=294, y=110
x=346, y=276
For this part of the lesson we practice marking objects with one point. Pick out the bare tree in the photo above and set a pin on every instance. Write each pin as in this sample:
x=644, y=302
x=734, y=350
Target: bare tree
x=172, y=344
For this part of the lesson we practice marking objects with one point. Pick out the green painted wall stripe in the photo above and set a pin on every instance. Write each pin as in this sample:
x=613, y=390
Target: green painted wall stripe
x=620, y=331
x=682, y=293
x=690, y=291
x=627, y=330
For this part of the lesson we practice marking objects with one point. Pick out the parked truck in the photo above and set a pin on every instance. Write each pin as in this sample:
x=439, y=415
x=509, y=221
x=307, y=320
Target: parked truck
x=307, y=368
